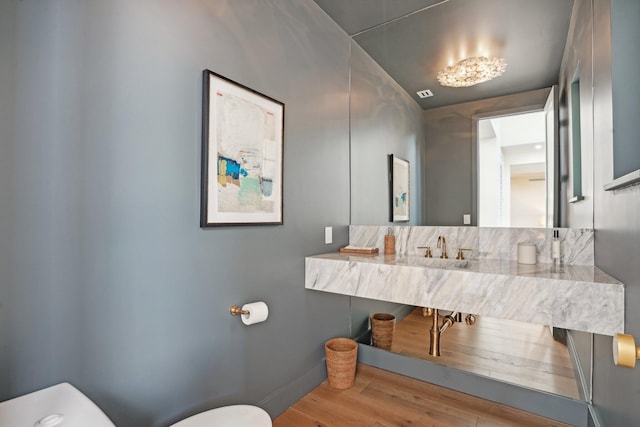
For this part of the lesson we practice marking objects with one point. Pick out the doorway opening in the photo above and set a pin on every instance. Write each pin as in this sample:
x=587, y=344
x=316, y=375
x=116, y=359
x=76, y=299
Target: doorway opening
x=512, y=170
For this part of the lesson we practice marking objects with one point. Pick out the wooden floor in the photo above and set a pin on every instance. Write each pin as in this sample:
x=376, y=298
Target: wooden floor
x=382, y=399
x=519, y=353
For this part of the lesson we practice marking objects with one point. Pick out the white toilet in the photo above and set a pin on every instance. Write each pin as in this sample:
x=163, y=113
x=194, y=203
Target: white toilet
x=65, y=406
x=228, y=416
x=61, y=405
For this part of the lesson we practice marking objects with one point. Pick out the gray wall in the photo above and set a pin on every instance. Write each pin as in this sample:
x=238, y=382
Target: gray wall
x=106, y=279
x=626, y=151
x=112, y=285
x=617, y=238
x=7, y=100
x=384, y=120
x=578, y=56
x=449, y=164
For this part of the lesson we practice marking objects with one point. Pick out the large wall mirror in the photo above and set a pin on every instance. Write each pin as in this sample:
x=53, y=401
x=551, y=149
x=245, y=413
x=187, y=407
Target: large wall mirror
x=440, y=143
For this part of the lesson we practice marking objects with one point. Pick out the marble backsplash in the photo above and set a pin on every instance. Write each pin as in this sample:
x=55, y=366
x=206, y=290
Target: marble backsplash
x=576, y=245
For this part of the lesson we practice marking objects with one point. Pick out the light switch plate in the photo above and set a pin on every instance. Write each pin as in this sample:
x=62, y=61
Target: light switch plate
x=328, y=235
x=466, y=219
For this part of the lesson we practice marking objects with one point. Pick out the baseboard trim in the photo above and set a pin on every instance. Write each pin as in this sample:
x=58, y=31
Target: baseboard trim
x=403, y=311
x=594, y=418
x=280, y=399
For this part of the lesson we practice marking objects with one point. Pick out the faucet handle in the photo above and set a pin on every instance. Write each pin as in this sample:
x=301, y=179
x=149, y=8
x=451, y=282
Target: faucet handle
x=427, y=253
x=461, y=253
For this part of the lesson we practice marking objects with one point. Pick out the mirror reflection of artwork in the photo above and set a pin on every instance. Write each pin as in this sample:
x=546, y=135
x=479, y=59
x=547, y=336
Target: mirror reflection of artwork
x=242, y=155
x=399, y=189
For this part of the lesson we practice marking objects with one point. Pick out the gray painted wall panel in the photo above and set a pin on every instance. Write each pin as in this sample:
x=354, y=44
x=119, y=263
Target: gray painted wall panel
x=578, y=56
x=7, y=101
x=626, y=103
x=578, y=59
x=111, y=284
x=115, y=287
x=617, y=242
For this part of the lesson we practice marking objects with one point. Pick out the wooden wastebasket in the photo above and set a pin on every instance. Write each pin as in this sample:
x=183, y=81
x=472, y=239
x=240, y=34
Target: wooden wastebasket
x=342, y=356
x=383, y=326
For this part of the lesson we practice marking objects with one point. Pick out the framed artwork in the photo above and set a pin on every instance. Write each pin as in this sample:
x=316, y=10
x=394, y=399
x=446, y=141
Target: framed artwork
x=242, y=148
x=399, y=199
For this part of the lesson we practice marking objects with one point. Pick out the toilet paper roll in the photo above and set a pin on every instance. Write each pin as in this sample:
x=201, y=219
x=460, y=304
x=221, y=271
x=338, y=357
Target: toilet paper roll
x=258, y=312
x=527, y=253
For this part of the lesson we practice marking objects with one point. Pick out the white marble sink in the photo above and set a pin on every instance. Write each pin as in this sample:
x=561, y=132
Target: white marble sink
x=449, y=264
x=578, y=297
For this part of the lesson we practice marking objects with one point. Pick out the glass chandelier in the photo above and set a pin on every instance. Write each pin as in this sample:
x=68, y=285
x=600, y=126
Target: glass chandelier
x=471, y=71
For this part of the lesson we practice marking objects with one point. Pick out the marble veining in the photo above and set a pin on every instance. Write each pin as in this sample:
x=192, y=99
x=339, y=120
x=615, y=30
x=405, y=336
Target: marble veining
x=573, y=294
x=576, y=297
x=502, y=243
x=409, y=239
x=484, y=242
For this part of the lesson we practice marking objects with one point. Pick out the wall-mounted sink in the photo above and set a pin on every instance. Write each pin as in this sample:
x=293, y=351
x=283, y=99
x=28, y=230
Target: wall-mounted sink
x=449, y=263
x=577, y=297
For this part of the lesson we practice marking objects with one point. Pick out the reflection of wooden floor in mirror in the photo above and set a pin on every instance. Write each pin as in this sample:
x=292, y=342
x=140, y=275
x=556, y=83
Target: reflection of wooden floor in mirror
x=519, y=353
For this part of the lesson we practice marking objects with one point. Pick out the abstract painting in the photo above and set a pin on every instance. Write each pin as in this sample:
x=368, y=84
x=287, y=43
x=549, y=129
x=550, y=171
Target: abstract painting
x=399, y=200
x=242, y=145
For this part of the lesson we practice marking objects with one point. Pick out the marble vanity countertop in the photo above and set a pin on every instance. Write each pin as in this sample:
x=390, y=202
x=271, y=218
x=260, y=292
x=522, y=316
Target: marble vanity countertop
x=577, y=297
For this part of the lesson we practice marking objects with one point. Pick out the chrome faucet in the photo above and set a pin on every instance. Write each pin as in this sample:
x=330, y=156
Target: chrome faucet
x=442, y=244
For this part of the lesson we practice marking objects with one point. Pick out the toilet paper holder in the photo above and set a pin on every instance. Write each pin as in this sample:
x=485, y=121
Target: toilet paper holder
x=251, y=313
x=237, y=311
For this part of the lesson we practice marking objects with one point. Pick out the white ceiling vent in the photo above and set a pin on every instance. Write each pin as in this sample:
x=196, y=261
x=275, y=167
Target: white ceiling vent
x=425, y=93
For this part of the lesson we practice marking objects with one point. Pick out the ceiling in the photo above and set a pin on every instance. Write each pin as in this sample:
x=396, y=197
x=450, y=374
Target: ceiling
x=414, y=39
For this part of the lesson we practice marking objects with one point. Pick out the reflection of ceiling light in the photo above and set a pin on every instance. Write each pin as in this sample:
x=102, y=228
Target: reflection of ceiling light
x=471, y=71
x=538, y=146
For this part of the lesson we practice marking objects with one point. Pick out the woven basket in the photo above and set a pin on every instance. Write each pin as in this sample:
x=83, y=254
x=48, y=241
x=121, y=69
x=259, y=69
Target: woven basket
x=342, y=355
x=382, y=327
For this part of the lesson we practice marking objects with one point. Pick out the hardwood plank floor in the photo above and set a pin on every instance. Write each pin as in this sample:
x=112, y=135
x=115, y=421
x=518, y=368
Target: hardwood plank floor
x=515, y=352
x=382, y=399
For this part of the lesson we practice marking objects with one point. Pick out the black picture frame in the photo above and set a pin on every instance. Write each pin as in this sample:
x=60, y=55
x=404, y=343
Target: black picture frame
x=242, y=155
x=399, y=189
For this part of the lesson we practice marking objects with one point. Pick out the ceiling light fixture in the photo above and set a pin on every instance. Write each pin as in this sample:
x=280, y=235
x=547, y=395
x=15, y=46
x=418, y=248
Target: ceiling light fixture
x=471, y=71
